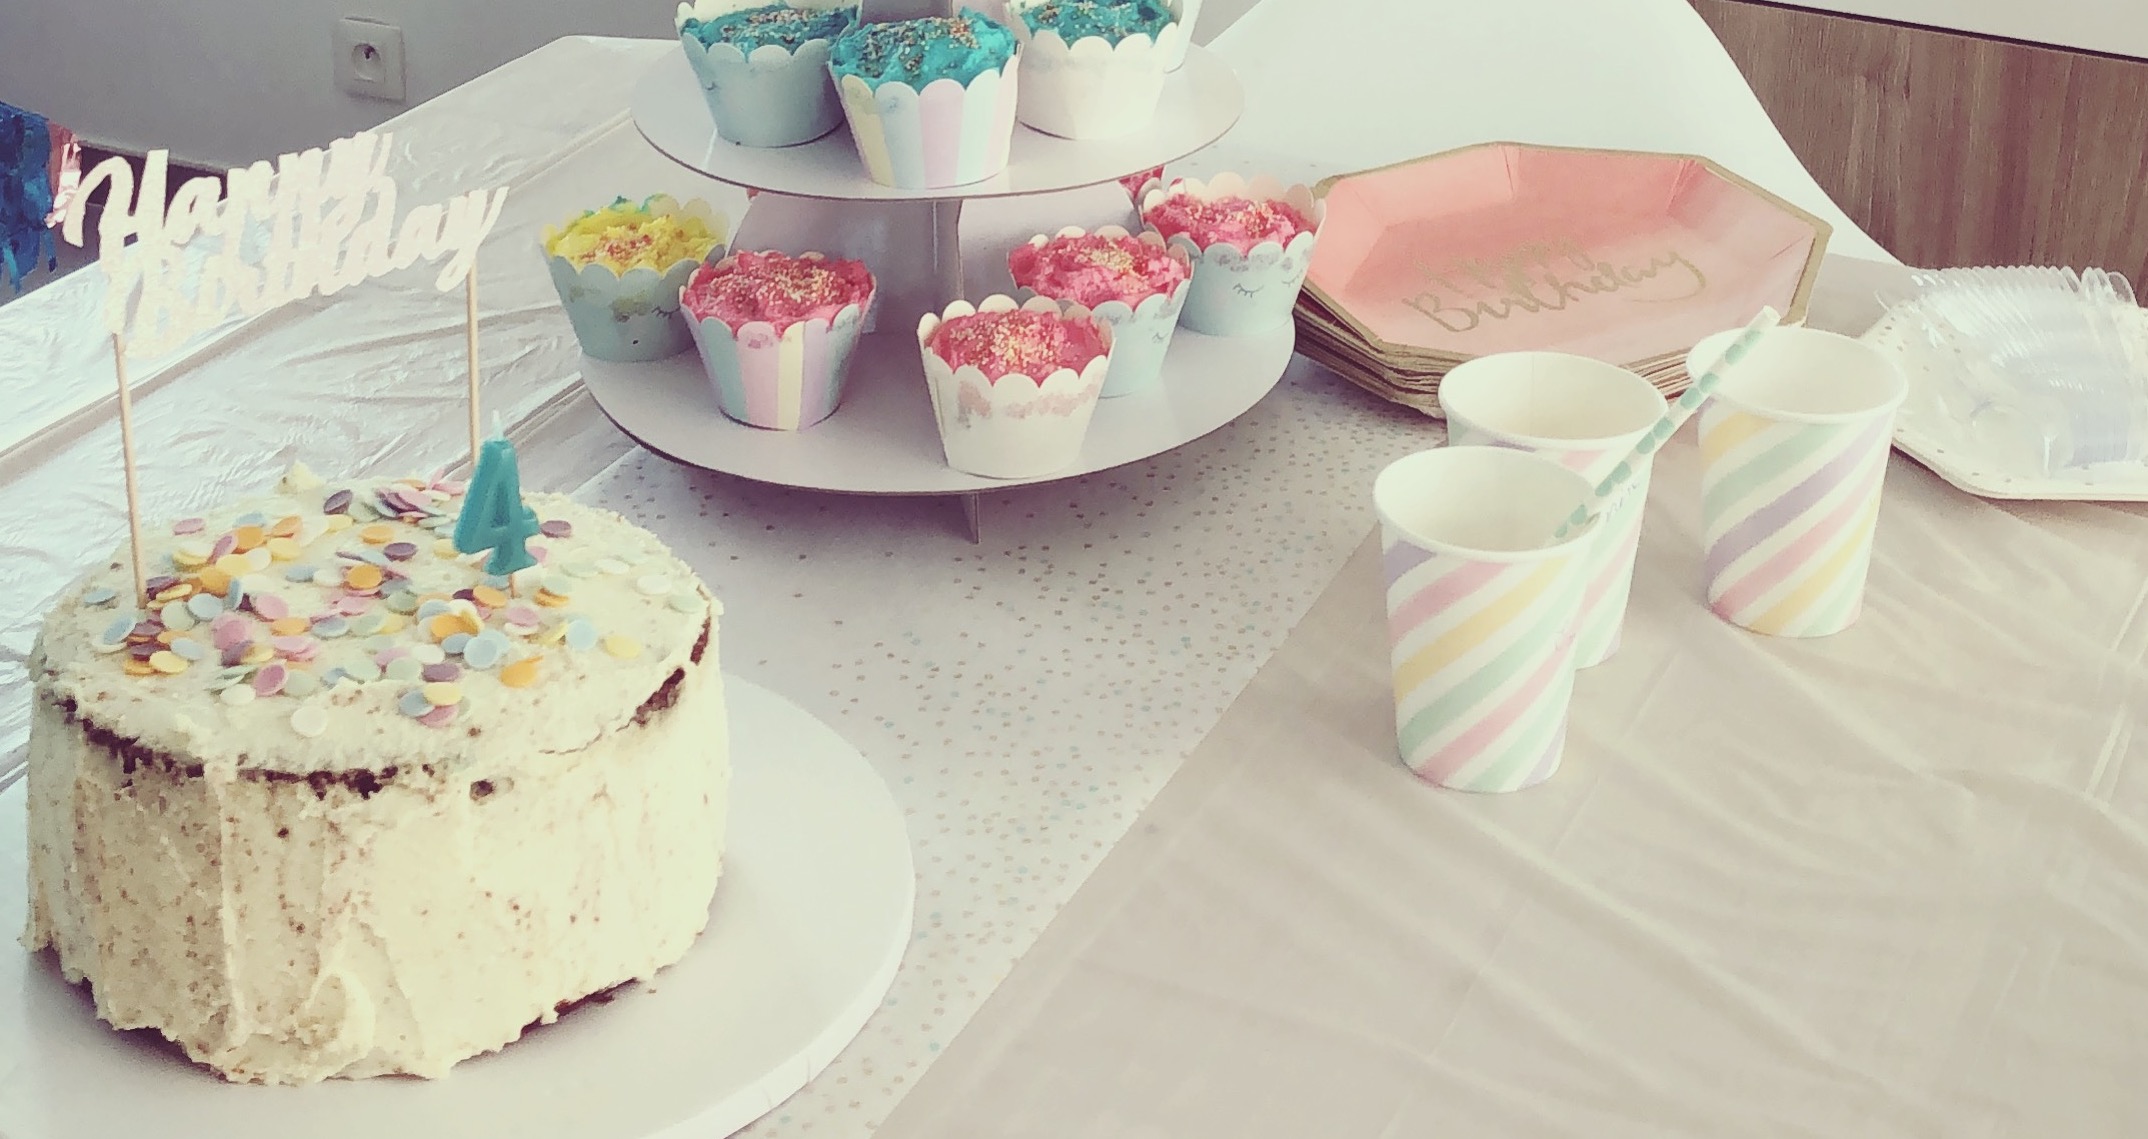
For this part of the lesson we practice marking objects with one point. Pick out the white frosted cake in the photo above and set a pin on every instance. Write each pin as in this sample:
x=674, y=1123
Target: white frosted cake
x=340, y=805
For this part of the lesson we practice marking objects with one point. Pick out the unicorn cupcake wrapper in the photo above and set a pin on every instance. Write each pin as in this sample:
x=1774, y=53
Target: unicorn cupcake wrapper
x=1244, y=293
x=1141, y=333
x=1016, y=427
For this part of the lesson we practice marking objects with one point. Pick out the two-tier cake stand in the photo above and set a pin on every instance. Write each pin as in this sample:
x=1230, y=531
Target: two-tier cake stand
x=817, y=197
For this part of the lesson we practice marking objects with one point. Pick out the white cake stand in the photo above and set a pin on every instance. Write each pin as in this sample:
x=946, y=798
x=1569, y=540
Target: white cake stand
x=807, y=929
x=816, y=196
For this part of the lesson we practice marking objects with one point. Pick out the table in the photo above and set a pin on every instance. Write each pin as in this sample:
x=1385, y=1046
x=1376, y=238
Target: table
x=1296, y=936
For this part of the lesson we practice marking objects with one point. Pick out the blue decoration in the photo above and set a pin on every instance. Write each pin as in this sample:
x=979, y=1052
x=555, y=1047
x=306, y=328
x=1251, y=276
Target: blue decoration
x=493, y=516
x=34, y=154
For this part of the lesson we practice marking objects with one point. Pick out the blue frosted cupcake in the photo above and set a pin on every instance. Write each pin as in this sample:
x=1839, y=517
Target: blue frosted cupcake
x=1095, y=68
x=931, y=102
x=764, y=70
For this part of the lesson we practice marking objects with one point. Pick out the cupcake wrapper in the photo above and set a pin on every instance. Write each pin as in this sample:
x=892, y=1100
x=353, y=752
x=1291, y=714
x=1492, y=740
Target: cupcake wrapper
x=772, y=98
x=1015, y=428
x=781, y=381
x=1093, y=88
x=631, y=318
x=1140, y=338
x=945, y=135
x=1244, y=293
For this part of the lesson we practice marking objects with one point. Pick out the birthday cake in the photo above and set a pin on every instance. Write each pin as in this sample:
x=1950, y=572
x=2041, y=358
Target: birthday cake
x=336, y=802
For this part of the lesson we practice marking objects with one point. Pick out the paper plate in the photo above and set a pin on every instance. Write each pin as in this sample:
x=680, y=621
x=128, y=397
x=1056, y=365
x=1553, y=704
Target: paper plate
x=1626, y=257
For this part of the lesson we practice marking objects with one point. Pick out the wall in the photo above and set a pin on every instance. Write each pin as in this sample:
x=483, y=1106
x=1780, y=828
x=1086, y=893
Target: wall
x=231, y=81
x=2116, y=27
x=1954, y=149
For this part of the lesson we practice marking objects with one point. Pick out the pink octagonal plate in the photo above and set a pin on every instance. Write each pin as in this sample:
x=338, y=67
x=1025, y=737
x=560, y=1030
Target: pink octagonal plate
x=1622, y=256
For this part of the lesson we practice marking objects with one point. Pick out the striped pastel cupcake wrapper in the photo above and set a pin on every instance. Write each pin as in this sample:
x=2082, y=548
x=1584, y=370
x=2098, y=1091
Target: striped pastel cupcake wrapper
x=945, y=135
x=1483, y=664
x=1788, y=511
x=785, y=382
x=1608, y=566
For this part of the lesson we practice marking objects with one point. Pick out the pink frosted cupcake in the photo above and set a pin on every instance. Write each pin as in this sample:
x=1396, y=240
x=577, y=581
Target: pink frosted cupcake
x=1137, y=285
x=1251, y=244
x=1013, y=387
x=776, y=333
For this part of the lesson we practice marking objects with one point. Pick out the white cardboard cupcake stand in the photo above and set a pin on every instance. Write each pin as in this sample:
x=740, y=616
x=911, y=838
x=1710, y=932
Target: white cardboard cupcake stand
x=816, y=196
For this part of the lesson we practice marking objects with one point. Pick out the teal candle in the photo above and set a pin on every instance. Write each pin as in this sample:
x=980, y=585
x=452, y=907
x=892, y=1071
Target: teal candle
x=493, y=516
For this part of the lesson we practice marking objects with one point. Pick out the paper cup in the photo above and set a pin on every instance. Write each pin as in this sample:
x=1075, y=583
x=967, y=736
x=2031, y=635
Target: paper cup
x=774, y=97
x=1794, y=450
x=1244, y=292
x=1586, y=416
x=945, y=135
x=1480, y=612
x=1093, y=88
x=1140, y=333
x=1017, y=427
x=782, y=380
x=630, y=317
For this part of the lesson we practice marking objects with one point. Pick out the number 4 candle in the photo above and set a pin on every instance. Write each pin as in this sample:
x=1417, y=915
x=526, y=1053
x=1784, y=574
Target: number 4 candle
x=493, y=516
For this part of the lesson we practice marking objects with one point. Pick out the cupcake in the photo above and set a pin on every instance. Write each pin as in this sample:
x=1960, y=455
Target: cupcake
x=1251, y=244
x=764, y=70
x=619, y=269
x=1012, y=386
x=776, y=333
x=1094, y=68
x=930, y=102
x=1137, y=285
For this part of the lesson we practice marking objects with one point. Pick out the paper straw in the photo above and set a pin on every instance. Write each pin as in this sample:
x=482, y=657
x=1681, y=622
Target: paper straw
x=1682, y=409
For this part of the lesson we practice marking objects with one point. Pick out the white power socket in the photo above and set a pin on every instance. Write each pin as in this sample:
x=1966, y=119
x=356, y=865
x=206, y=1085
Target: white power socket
x=369, y=58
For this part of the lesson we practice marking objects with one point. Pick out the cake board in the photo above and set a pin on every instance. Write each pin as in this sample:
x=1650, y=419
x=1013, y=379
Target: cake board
x=806, y=932
x=817, y=197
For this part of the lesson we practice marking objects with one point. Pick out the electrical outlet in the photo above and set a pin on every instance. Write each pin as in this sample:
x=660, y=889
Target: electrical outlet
x=369, y=58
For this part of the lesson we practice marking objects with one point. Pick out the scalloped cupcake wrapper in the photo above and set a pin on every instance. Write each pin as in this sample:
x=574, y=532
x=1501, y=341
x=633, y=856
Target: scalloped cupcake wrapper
x=946, y=135
x=1242, y=294
x=629, y=319
x=769, y=99
x=784, y=381
x=1141, y=338
x=1016, y=428
x=1093, y=88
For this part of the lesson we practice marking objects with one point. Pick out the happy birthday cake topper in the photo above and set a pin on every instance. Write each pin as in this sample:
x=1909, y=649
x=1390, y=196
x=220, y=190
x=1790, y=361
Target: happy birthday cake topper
x=314, y=222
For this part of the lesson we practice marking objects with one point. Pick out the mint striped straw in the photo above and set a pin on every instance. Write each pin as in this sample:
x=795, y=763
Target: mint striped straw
x=1704, y=385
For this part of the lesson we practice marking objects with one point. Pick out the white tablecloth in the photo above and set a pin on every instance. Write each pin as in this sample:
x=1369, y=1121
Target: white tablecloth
x=1026, y=698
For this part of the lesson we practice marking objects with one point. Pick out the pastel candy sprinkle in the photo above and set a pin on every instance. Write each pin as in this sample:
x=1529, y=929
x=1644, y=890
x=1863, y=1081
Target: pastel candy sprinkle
x=400, y=551
x=189, y=525
x=330, y=627
x=622, y=646
x=353, y=604
x=521, y=615
x=439, y=717
x=289, y=626
x=102, y=595
x=335, y=676
x=557, y=528
x=234, y=655
x=229, y=631
x=116, y=632
x=309, y=721
x=205, y=606
x=269, y=681
x=327, y=578
x=167, y=662
x=337, y=502
x=236, y=695
x=301, y=684
x=368, y=624
x=484, y=652
x=520, y=674
x=176, y=615
x=440, y=693
x=251, y=518
x=270, y=607
x=581, y=635
x=258, y=559
x=442, y=672
x=364, y=671
x=296, y=648
x=559, y=583
x=427, y=654
x=612, y=566
x=454, y=643
x=300, y=573
x=654, y=584
x=234, y=565
x=284, y=549
x=190, y=648
x=413, y=703
x=684, y=602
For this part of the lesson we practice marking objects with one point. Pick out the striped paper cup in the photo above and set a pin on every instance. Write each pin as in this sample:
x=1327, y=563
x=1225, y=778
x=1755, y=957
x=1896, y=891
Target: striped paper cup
x=945, y=135
x=1794, y=451
x=1586, y=416
x=782, y=379
x=1480, y=612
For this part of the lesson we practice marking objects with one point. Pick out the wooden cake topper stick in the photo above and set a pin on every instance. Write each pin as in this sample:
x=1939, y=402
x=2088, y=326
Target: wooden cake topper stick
x=469, y=293
x=126, y=458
